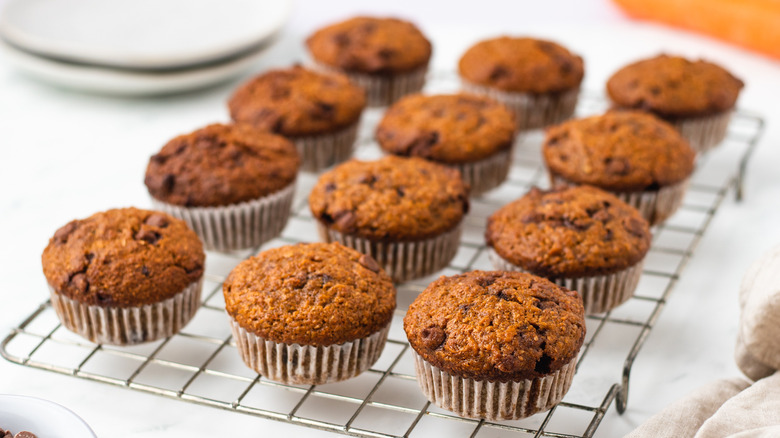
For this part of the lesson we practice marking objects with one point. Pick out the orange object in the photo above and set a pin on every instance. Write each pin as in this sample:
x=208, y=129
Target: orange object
x=754, y=24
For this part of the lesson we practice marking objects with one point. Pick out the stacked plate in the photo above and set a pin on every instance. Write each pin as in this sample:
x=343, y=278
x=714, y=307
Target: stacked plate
x=139, y=46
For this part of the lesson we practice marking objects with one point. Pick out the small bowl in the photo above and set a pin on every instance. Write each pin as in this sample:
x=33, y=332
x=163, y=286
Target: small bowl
x=44, y=418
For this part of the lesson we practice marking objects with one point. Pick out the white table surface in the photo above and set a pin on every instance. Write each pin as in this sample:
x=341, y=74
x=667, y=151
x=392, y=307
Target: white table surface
x=67, y=155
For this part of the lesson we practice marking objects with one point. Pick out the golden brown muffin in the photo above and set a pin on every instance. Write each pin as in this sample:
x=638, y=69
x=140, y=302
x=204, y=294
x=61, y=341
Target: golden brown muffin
x=496, y=326
x=296, y=102
x=525, y=65
x=123, y=258
x=221, y=165
x=673, y=87
x=391, y=199
x=310, y=294
x=620, y=151
x=449, y=129
x=371, y=45
x=569, y=232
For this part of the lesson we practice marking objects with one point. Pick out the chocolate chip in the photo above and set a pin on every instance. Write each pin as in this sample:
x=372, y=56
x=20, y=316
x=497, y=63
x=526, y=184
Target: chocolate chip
x=147, y=235
x=499, y=72
x=369, y=263
x=422, y=144
x=400, y=191
x=608, y=235
x=341, y=39
x=297, y=282
x=464, y=308
x=543, y=364
x=367, y=179
x=617, y=166
x=433, y=337
x=61, y=235
x=345, y=220
x=577, y=224
x=635, y=226
x=486, y=281
x=386, y=53
x=602, y=216
x=329, y=187
x=323, y=110
x=157, y=220
x=532, y=218
x=158, y=158
x=144, y=271
x=79, y=282
x=505, y=295
x=162, y=184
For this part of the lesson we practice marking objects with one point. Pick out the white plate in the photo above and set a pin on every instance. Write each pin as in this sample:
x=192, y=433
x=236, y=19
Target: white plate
x=43, y=418
x=141, y=34
x=122, y=82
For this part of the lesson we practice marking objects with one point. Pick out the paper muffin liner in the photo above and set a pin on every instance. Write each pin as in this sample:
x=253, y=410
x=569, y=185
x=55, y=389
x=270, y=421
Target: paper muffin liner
x=655, y=205
x=532, y=111
x=492, y=400
x=599, y=293
x=238, y=226
x=486, y=174
x=128, y=325
x=403, y=260
x=308, y=364
x=319, y=152
x=385, y=89
x=704, y=133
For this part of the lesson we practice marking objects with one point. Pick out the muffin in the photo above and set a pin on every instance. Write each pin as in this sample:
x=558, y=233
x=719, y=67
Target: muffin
x=538, y=80
x=636, y=156
x=319, y=112
x=124, y=276
x=404, y=212
x=386, y=56
x=697, y=97
x=580, y=237
x=495, y=345
x=232, y=184
x=473, y=134
x=309, y=313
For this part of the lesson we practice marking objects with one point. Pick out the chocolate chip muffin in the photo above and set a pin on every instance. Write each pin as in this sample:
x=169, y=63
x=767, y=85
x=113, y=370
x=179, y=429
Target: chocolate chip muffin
x=309, y=313
x=232, y=184
x=697, y=97
x=405, y=212
x=579, y=237
x=471, y=133
x=319, y=112
x=636, y=156
x=538, y=80
x=124, y=276
x=386, y=56
x=496, y=345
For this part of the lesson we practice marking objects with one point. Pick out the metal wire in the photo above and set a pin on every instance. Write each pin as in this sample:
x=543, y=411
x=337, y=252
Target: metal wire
x=200, y=364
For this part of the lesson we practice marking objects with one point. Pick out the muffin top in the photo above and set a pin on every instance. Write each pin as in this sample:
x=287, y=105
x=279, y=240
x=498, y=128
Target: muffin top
x=371, y=45
x=496, y=325
x=123, y=258
x=672, y=86
x=569, y=232
x=620, y=151
x=298, y=102
x=221, y=165
x=525, y=65
x=390, y=199
x=310, y=294
x=452, y=129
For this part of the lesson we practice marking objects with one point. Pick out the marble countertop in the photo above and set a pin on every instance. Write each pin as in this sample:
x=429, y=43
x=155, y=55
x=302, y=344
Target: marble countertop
x=67, y=155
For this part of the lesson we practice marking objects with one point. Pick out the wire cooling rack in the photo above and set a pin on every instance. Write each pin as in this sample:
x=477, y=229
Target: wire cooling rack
x=201, y=364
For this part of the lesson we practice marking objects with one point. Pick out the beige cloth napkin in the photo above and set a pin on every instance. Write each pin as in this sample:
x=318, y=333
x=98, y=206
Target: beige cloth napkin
x=735, y=408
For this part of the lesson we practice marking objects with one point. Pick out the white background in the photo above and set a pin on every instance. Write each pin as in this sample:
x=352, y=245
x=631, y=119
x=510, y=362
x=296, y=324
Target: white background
x=67, y=155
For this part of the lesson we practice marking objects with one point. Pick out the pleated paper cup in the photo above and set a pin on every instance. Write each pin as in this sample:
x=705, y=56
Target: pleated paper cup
x=532, y=111
x=492, y=401
x=238, y=226
x=704, y=133
x=308, y=364
x=382, y=89
x=655, y=205
x=486, y=174
x=403, y=260
x=128, y=325
x=599, y=293
x=319, y=152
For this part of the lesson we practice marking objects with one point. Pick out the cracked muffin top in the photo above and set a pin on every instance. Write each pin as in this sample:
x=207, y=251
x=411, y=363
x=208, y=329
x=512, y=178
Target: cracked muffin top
x=371, y=45
x=620, y=151
x=496, y=325
x=297, y=102
x=569, y=232
x=459, y=128
x=391, y=199
x=525, y=65
x=123, y=258
x=672, y=86
x=310, y=294
x=221, y=165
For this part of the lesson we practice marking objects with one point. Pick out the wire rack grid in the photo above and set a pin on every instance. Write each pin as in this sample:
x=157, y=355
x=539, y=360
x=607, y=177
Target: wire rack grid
x=201, y=364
